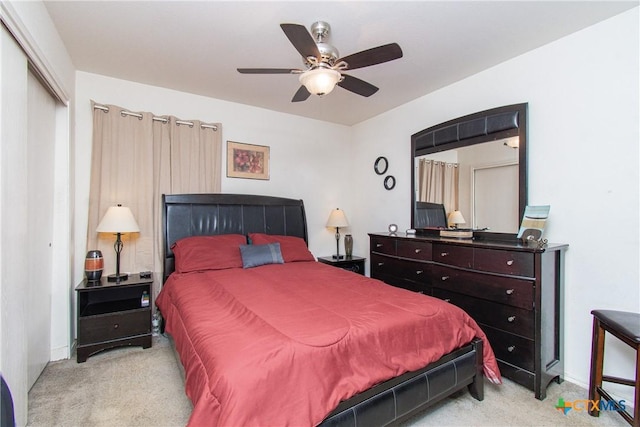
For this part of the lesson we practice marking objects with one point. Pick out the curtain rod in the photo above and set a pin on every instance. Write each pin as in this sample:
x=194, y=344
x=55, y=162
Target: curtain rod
x=157, y=119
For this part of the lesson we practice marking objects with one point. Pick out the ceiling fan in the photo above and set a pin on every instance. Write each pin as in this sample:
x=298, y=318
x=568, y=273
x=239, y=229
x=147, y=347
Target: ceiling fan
x=324, y=67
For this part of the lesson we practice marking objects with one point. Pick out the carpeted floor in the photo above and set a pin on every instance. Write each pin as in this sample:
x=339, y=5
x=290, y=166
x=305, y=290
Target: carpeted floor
x=135, y=387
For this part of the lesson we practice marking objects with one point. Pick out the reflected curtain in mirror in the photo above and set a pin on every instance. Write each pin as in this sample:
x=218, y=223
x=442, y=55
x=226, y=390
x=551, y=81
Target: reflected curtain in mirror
x=438, y=183
x=137, y=157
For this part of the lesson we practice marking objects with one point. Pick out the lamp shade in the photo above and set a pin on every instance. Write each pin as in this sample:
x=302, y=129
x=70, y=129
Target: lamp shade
x=118, y=219
x=337, y=218
x=319, y=81
x=456, y=217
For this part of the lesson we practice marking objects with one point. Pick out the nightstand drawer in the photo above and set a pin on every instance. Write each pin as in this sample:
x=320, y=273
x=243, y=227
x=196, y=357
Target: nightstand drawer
x=106, y=327
x=353, y=263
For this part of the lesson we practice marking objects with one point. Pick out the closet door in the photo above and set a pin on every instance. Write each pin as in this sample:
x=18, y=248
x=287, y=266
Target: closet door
x=41, y=126
x=13, y=226
x=498, y=211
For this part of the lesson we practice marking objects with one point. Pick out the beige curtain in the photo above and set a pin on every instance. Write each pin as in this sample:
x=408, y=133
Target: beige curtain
x=136, y=158
x=438, y=183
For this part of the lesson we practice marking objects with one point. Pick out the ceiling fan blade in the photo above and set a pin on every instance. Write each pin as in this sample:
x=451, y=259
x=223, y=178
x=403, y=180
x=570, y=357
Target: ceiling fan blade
x=301, y=40
x=269, y=70
x=301, y=95
x=358, y=86
x=373, y=56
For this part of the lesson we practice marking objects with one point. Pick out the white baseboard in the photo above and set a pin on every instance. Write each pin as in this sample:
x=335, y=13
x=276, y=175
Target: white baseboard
x=60, y=353
x=617, y=391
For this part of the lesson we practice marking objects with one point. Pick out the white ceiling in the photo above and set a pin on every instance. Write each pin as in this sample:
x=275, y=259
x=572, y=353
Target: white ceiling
x=196, y=47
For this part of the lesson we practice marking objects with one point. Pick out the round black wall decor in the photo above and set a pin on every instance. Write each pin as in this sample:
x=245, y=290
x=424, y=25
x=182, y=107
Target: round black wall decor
x=381, y=165
x=389, y=182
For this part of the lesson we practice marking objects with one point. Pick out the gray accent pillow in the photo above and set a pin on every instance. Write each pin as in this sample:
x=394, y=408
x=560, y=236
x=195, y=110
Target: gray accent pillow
x=255, y=255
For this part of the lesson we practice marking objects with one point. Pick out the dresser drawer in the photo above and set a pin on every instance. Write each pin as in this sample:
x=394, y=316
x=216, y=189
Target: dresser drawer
x=511, y=348
x=506, y=262
x=402, y=269
x=106, y=327
x=414, y=250
x=382, y=264
x=383, y=245
x=399, y=282
x=504, y=290
x=505, y=317
x=459, y=256
x=416, y=271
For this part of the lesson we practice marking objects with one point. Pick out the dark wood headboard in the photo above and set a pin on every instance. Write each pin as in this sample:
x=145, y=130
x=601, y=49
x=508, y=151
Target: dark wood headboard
x=188, y=215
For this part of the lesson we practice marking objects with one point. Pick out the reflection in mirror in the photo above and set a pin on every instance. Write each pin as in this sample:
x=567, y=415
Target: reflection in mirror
x=480, y=181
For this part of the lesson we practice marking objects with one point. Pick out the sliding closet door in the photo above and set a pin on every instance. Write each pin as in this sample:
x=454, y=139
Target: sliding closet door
x=41, y=126
x=13, y=224
x=498, y=211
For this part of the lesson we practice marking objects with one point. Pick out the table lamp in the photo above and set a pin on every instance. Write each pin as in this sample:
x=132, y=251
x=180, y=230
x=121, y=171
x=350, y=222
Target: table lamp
x=118, y=220
x=455, y=218
x=337, y=219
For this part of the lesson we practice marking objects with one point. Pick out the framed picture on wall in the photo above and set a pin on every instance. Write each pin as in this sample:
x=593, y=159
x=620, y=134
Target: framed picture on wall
x=247, y=160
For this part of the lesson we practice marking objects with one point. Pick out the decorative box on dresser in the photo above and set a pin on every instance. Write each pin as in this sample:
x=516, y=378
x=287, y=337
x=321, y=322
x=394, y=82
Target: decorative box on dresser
x=513, y=290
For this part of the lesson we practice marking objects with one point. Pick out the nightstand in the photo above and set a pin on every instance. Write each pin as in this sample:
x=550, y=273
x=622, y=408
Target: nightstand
x=354, y=263
x=113, y=314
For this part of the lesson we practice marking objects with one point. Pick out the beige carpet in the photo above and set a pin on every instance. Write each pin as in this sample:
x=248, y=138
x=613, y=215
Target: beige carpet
x=135, y=387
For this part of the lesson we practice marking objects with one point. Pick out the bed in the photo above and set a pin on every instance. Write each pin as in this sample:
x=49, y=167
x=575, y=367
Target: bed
x=291, y=341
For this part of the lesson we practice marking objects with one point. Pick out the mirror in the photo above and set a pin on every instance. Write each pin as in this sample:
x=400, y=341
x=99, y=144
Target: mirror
x=488, y=149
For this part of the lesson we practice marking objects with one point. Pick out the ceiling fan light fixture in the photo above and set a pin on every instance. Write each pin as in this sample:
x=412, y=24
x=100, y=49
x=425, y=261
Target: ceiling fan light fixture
x=320, y=81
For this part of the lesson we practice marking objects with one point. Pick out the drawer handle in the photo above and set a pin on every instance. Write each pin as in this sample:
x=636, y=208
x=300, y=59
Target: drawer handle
x=115, y=326
x=419, y=271
x=445, y=278
x=418, y=251
x=510, y=262
x=510, y=291
x=511, y=348
x=380, y=264
x=444, y=253
x=510, y=319
x=378, y=245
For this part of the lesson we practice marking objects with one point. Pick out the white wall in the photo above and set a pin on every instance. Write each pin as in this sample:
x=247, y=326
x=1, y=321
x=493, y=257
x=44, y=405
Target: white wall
x=309, y=159
x=583, y=160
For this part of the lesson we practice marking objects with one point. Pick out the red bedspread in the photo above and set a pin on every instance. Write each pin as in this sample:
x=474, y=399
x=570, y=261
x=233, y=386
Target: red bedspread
x=283, y=344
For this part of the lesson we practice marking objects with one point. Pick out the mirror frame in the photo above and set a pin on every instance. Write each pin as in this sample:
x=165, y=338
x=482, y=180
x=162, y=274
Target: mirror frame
x=484, y=126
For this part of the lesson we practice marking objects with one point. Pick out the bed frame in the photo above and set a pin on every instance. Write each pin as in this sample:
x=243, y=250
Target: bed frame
x=390, y=402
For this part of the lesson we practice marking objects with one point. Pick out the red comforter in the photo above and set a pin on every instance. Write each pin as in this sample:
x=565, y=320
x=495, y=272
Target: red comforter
x=283, y=344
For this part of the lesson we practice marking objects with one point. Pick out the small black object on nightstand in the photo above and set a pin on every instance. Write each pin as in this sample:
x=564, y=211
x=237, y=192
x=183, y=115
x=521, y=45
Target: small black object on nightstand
x=354, y=263
x=145, y=274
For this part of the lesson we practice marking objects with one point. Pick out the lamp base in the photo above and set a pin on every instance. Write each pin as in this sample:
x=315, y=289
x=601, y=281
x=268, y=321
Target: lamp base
x=117, y=277
x=337, y=256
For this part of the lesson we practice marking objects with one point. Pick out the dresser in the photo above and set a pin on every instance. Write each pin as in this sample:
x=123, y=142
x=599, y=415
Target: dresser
x=514, y=292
